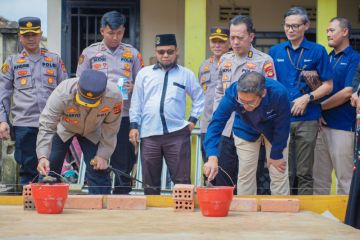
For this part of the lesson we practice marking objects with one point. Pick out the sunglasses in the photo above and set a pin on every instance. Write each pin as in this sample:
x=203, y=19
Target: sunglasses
x=169, y=51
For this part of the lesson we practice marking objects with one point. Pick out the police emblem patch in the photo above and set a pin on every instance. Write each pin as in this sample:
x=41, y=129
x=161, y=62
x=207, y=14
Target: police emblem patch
x=29, y=24
x=105, y=109
x=5, y=68
x=48, y=59
x=157, y=40
x=89, y=94
x=22, y=72
x=21, y=60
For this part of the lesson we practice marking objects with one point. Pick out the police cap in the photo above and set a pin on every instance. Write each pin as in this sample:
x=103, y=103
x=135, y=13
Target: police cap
x=92, y=85
x=29, y=24
x=219, y=32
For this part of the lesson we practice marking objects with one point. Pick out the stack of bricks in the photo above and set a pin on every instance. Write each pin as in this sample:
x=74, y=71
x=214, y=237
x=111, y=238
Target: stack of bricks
x=28, y=200
x=183, y=197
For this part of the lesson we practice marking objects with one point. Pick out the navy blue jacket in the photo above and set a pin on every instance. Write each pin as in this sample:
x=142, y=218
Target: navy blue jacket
x=271, y=118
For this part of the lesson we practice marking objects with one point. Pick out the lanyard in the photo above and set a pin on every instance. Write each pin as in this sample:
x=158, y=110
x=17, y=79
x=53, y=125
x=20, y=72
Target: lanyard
x=333, y=67
x=298, y=60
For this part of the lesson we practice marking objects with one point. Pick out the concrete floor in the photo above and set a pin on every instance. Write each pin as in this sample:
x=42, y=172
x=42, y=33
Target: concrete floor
x=164, y=223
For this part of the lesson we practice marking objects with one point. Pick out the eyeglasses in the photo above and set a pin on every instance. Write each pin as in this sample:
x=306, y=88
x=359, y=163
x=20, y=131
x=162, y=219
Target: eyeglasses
x=294, y=27
x=252, y=104
x=169, y=51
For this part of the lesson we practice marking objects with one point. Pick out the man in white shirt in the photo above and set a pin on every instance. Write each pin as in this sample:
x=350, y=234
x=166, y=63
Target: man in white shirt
x=157, y=111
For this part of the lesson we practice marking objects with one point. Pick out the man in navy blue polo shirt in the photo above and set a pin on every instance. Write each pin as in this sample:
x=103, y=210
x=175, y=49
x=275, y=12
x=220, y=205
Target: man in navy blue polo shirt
x=335, y=143
x=290, y=58
x=262, y=112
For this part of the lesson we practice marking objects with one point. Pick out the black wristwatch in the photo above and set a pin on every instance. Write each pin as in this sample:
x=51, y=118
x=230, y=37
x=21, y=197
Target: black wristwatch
x=312, y=98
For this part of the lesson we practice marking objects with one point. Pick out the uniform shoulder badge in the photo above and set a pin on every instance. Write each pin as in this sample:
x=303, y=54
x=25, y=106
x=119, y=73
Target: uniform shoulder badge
x=81, y=59
x=117, y=108
x=140, y=57
x=5, y=68
x=269, y=69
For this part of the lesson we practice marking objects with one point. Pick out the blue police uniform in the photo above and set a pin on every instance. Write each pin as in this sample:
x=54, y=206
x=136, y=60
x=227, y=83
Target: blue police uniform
x=303, y=133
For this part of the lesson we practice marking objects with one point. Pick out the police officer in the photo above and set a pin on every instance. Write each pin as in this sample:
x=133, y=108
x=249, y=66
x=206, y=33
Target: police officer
x=116, y=60
x=88, y=108
x=27, y=79
x=208, y=75
x=244, y=58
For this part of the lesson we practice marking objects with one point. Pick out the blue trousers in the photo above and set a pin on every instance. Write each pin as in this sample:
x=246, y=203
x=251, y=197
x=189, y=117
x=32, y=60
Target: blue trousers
x=25, y=153
x=98, y=180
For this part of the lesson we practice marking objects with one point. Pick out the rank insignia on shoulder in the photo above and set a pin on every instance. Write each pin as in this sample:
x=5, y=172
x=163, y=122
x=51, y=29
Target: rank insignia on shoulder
x=250, y=54
x=81, y=59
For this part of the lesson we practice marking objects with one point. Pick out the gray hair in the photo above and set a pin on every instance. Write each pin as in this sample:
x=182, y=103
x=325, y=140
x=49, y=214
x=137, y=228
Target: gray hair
x=298, y=11
x=251, y=82
x=240, y=19
x=343, y=22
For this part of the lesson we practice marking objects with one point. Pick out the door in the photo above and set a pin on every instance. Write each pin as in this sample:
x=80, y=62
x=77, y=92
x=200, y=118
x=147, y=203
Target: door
x=82, y=21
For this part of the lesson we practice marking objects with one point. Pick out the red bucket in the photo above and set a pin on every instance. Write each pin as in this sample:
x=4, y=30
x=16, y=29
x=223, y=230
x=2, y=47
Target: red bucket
x=49, y=198
x=215, y=201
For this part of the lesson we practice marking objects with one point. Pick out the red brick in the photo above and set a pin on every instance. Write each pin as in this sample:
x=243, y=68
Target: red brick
x=126, y=202
x=280, y=205
x=28, y=201
x=244, y=205
x=27, y=191
x=183, y=192
x=184, y=206
x=84, y=202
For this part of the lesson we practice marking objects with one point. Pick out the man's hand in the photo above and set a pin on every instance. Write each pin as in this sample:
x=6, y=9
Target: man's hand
x=191, y=126
x=4, y=130
x=129, y=86
x=300, y=105
x=211, y=168
x=354, y=98
x=43, y=166
x=280, y=165
x=101, y=164
x=134, y=137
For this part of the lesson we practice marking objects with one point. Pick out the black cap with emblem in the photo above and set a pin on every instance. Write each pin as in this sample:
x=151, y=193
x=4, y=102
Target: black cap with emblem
x=92, y=85
x=165, y=40
x=29, y=24
x=220, y=33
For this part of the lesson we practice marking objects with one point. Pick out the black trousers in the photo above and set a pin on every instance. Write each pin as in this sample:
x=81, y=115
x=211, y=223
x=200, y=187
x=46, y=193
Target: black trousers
x=98, y=180
x=123, y=158
x=175, y=148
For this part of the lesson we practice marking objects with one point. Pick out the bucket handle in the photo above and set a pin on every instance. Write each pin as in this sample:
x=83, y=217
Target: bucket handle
x=55, y=173
x=209, y=184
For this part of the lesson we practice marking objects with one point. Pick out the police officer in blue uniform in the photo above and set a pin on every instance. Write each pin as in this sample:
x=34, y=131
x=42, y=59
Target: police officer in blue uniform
x=26, y=80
